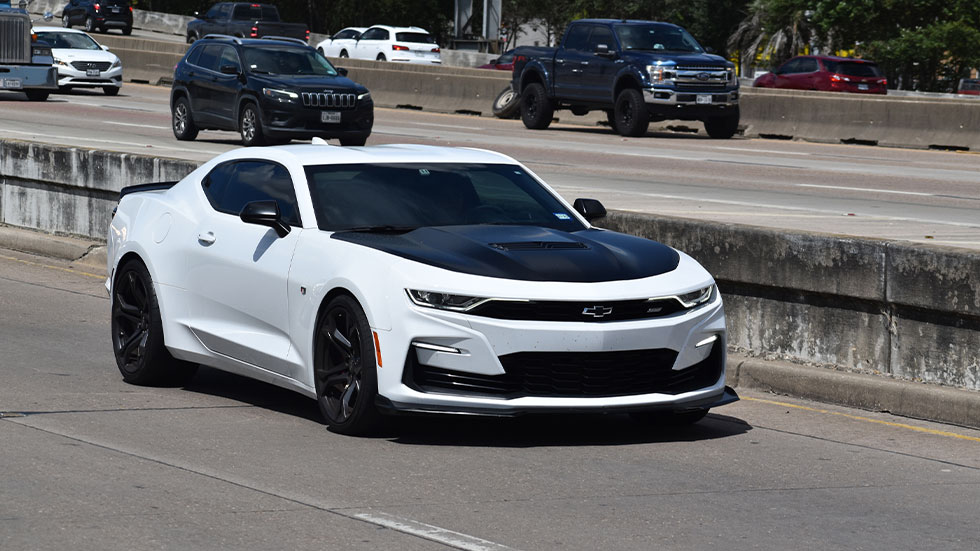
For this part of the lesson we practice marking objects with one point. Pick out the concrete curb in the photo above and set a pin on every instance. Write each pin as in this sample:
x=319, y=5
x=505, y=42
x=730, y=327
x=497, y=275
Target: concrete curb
x=856, y=390
x=84, y=254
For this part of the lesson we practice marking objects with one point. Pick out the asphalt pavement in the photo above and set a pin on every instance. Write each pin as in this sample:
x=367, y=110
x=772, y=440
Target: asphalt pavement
x=90, y=462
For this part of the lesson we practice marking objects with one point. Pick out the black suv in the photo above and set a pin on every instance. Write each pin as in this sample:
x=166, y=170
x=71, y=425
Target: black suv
x=99, y=15
x=269, y=90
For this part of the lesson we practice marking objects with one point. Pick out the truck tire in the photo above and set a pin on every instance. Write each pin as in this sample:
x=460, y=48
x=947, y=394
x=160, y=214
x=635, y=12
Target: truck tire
x=536, y=108
x=508, y=104
x=631, y=117
x=722, y=128
x=37, y=95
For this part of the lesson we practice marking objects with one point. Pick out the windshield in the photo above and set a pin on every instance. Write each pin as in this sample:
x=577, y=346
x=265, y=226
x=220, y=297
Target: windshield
x=657, y=37
x=402, y=197
x=76, y=41
x=287, y=60
x=852, y=68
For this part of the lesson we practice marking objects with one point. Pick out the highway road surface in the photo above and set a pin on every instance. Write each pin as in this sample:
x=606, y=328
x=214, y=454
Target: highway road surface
x=916, y=195
x=88, y=462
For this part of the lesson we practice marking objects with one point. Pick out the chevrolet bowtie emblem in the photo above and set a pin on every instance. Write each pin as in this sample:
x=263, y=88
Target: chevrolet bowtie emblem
x=597, y=311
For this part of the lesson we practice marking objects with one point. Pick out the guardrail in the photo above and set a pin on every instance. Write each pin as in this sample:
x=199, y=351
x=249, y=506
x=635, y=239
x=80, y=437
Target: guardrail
x=880, y=307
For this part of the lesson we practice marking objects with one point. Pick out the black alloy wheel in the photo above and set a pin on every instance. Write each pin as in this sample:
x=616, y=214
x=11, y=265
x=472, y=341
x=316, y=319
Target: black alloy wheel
x=360, y=140
x=137, y=331
x=250, y=126
x=111, y=90
x=345, y=368
x=183, y=122
x=631, y=117
x=536, y=108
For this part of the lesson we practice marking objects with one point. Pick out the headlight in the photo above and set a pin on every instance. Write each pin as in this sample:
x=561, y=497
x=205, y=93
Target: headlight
x=116, y=63
x=444, y=301
x=697, y=298
x=732, y=77
x=61, y=62
x=661, y=74
x=280, y=95
x=364, y=96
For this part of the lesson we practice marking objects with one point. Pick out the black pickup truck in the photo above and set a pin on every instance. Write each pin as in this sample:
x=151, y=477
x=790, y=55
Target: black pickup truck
x=244, y=20
x=635, y=71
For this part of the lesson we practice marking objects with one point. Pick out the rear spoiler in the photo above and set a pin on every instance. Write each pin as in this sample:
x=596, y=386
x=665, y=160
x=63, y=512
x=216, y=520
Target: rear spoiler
x=158, y=186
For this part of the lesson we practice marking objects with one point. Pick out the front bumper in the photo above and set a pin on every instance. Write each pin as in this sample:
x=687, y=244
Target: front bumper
x=71, y=77
x=291, y=120
x=694, y=98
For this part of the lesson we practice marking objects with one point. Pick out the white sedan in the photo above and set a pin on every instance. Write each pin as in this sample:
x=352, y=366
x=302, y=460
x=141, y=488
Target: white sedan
x=340, y=44
x=81, y=61
x=402, y=44
x=406, y=278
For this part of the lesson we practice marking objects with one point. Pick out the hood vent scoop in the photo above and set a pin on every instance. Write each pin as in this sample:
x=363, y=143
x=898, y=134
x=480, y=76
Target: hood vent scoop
x=539, y=245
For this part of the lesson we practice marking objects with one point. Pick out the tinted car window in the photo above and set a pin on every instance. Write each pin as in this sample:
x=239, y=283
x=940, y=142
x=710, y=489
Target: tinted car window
x=349, y=33
x=77, y=41
x=852, y=68
x=578, y=38
x=231, y=186
x=791, y=66
x=214, y=11
x=229, y=57
x=808, y=65
x=416, y=195
x=375, y=34
x=423, y=38
x=287, y=60
x=601, y=35
x=209, y=56
x=193, y=57
x=656, y=37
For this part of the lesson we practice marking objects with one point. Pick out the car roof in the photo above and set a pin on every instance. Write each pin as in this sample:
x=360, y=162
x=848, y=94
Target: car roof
x=622, y=21
x=323, y=154
x=838, y=58
x=227, y=39
x=400, y=29
x=57, y=29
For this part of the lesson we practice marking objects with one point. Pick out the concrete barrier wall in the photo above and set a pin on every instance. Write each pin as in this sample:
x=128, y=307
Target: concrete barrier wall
x=871, y=306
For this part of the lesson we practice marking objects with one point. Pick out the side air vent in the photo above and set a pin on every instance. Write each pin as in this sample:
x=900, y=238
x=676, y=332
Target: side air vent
x=538, y=245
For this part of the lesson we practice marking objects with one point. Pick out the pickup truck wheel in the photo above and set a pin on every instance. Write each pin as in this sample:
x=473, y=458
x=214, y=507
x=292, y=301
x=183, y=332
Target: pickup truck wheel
x=536, y=109
x=508, y=104
x=191, y=37
x=631, y=117
x=722, y=128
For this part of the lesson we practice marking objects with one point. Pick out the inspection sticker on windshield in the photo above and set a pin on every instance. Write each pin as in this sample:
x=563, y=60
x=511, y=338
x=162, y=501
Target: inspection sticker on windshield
x=330, y=116
x=562, y=216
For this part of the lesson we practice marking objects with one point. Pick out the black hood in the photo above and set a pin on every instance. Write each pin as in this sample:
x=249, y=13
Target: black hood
x=338, y=83
x=681, y=60
x=528, y=253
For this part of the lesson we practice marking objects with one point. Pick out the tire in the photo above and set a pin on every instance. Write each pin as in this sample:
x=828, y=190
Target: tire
x=536, y=108
x=66, y=21
x=37, y=95
x=343, y=53
x=250, y=126
x=137, y=331
x=182, y=121
x=127, y=31
x=320, y=51
x=361, y=140
x=508, y=104
x=345, y=369
x=111, y=90
x=722, y=128
x=89, y=24
x=191, y=37
x=669, y=419
x=381, y=57
x=630, y=114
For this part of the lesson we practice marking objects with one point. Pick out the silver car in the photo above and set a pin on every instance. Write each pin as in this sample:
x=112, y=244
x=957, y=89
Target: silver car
x=81, y=61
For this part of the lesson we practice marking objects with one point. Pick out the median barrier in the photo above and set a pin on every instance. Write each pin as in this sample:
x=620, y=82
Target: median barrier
x=886, y=308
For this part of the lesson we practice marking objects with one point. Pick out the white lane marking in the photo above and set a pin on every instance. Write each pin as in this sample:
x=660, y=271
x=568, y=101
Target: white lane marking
x=432, y=533
x=773, y=151
x=116, y=142
x=122, y=107
x=872, y=190
x=449, y=125
x=138, y=125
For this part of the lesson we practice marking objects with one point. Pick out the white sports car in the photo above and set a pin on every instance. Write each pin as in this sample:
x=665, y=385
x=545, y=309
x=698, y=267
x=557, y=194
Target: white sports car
x=405, y=278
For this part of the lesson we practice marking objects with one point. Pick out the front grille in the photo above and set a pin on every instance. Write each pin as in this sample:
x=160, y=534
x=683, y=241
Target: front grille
x=86, y=65
x=595, y=311
x=15, y=38
x=696, y=67
x=332, y=101
x=573, y=374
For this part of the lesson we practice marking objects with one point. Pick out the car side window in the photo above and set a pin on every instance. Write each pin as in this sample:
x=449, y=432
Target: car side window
x=195, y=55
x=374, y=34
x=791, y=66
x=229, y=57
x=209, y=57
x=213, y=12
x=808, y=65
x=224, y=11
x=601, y=35
x=231, y=186
x=578, y=38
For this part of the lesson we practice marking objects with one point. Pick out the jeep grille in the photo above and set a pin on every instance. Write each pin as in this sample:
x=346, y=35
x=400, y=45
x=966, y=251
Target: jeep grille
x=333, y=101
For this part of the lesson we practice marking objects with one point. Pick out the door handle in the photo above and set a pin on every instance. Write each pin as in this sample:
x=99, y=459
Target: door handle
x=559, y=61
x=206, y=238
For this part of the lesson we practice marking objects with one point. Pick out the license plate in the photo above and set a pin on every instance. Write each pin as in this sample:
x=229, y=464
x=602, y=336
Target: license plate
x=703, y=98
x=330, y=116
x=91, y=72
x=115, y=9
x=11, y=83
x=862, y=86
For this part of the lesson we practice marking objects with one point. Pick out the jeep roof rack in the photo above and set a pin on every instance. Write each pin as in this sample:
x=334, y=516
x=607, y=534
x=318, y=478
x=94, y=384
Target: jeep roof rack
x=286, y=39
x=235, y=39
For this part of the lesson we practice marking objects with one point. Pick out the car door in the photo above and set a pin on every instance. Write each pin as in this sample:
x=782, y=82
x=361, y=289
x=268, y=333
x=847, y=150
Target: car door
x=237, y=272
x=785, y=76
x=569, y=59
x=368, y=46
x=225, y=87
x=343, y=41
x=200, y=82
x=598, y=72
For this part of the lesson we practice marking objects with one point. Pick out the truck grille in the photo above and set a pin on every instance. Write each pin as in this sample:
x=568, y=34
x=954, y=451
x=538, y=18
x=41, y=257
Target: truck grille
x=85, y=65
x=332, y=101
x=15, y=38
x=702, y=77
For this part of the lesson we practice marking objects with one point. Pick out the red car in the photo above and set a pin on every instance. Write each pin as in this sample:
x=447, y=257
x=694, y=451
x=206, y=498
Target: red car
x=503, y=63
x=969, y=87
x=827, y=73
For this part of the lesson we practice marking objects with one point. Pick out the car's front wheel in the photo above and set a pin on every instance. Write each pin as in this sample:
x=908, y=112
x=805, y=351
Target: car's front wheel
x=137, y=331
x=721, y=128
x=345, y=368
x=127, y=31
x=250, y=126
x=631, y=117
x=37, y=95
x=111, y=90
x=183, y=121
x=192, y=37
x=536, y=108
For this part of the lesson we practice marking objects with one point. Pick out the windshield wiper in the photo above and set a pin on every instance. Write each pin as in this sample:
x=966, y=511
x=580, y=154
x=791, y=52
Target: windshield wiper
x=386, y=228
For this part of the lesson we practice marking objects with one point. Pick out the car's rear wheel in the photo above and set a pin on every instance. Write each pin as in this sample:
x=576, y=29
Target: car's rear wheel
x=381, y=57
x=183, y=121
x=508, y=103
x=89, y=24
x=669, y=419
x=343, y=53
x=137, y=331
x=192, y=37
x=631, y=117
x=250, y=126
x=721, y=128
x=65, y=21
x=127, y=31
x=111, y=90
x=536, y=108
x=345, y=368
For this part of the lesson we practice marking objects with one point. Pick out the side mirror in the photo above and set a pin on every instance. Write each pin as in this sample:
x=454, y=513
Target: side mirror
x=229, y=69
x=492, y=61
x=104, y=47
x=590, y=209
x=602, y=50
x=265, y=213
x=341, y=71
x=710, y=50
